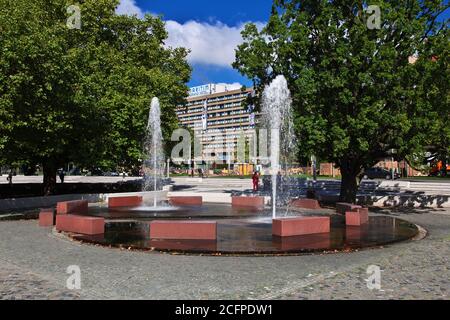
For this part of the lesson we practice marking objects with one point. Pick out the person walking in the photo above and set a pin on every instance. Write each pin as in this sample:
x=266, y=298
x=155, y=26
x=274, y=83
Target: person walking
x=255, y=179
x=10, y=177
x=61, y=175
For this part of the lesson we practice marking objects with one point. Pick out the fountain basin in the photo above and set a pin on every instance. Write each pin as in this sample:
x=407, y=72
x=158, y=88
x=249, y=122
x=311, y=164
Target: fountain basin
x=246, y=231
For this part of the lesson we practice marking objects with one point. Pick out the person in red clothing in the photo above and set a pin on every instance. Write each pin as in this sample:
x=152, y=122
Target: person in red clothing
x=255, y=179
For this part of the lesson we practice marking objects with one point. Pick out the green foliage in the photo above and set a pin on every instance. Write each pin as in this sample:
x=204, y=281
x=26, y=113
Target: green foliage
x=355, y=94
x=83, y=95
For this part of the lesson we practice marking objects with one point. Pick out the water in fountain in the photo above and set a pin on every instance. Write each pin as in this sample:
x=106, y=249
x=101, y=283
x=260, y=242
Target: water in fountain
x=153, y=146
x=277, y=118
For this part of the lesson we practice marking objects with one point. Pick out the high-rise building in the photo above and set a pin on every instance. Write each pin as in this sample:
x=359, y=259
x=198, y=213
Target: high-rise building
x=219, y=119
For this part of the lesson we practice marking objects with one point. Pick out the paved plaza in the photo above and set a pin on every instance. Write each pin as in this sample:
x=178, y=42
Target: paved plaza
x=35, y=260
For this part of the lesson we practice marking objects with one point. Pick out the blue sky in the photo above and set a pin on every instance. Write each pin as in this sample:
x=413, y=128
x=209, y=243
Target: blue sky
x=230, y=12
x=210, y=28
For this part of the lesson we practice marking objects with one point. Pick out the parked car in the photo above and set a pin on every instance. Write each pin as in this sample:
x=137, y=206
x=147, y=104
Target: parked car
x=379, y=173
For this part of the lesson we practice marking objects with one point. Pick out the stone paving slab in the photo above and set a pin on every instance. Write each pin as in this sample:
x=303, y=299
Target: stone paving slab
x=34, y=260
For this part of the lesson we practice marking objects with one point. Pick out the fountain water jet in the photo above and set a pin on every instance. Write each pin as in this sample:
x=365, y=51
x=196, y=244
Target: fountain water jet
x=277, y=118
x=153, y=146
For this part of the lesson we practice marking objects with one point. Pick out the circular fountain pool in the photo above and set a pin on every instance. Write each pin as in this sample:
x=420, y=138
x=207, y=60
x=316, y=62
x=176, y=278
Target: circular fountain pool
x=243, y=231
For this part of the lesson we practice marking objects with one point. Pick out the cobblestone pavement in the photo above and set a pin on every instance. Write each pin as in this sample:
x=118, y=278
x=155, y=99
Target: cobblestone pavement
x=33, y=264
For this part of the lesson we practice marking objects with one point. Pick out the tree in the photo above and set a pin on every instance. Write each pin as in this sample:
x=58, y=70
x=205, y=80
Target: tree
x=354, y=89
x=82, y=95
x=435, y=82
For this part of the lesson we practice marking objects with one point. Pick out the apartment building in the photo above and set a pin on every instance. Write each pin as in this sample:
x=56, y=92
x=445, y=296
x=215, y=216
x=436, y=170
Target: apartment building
x=219, y=119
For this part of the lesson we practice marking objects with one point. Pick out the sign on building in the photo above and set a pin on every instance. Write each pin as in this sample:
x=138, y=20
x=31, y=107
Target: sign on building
x=201, y=90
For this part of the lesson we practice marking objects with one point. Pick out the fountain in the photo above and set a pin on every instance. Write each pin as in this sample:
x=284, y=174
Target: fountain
x=153, y=146
x=277, y=118
x=190, y=225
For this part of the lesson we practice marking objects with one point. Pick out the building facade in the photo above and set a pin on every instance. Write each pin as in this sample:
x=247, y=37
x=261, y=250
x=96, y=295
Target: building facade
x=219, y=120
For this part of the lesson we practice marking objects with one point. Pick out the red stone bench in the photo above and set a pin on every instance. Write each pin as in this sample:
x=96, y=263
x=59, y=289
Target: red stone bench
x=306, y=203
x=117, y=202
x=357, y=218
x=186, y=201
x=343, y=207
x=80, y=224
x=70, y=207
x=255, y=202
x=183, y=230
x=47, y=217
x=286, y=227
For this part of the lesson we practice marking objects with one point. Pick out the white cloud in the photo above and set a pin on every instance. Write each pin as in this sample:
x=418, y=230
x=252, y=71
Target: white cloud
x=230, y=86
x=129, y=7
x=210, y=44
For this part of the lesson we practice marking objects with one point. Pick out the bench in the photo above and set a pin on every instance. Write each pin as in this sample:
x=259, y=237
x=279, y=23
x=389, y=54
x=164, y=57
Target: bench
x=357, y=218
x=186, y=201
x=343, y=207
x=47, y=217
x=183, y=230
x=254, y=202
x=286, y=227
x=117, y=202
x=69, y=207
x=80, y=224
x=306, y=203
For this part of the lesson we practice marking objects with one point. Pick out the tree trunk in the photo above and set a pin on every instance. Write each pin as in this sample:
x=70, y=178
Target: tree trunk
x=351, y=178
x=49, y=169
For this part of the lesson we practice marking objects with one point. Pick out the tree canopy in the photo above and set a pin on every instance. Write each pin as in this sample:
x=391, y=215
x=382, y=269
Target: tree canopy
x=355, y=92
x=82, y=94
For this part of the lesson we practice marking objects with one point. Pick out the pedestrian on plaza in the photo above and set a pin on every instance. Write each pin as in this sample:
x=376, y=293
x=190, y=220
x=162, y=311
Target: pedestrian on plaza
x=10, y=177
x=255, y=179
x=62, y=175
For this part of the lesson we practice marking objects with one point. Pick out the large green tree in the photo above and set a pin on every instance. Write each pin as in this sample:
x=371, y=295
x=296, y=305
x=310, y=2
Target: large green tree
x=435, y=98
x=82, y=94
x=355, y=92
